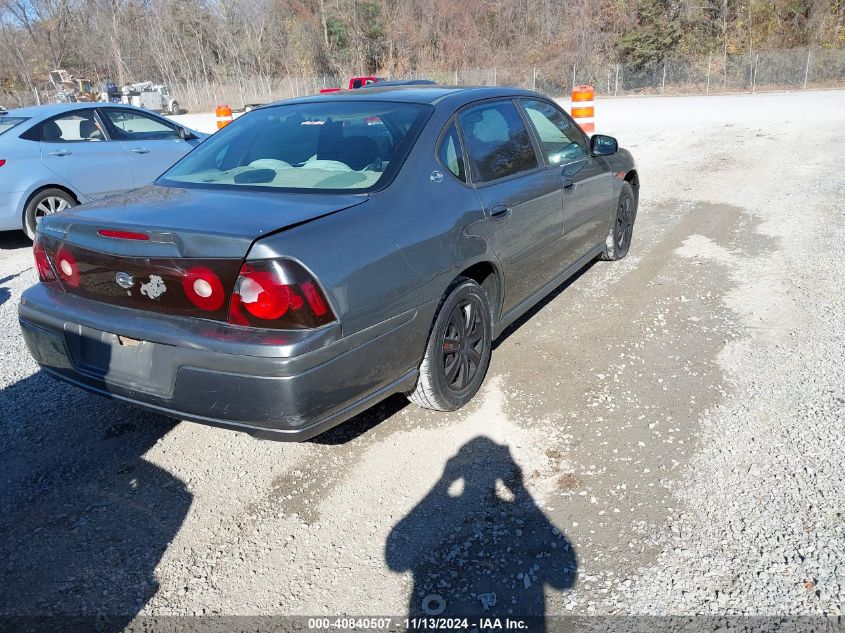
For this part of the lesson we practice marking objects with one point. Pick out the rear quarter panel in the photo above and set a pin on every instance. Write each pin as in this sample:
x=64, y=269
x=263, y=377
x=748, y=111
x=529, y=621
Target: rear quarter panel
x=10, y=219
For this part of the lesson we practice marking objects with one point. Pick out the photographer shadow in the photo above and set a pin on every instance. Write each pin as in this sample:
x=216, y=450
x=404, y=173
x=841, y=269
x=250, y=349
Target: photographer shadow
x=5, y=292
x=84, y=517
x=478, y=545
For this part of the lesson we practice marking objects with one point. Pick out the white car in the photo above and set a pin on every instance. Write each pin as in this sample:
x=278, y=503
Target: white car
x=60, y=155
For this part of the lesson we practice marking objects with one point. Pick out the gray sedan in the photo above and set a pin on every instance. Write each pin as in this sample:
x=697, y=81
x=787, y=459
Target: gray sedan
x=320, y=254
x=56, y=156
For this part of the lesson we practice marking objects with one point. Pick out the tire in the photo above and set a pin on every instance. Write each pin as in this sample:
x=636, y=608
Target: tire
x=45, y=202
x=248, y=108
x=455, y=364
x=174, y=108
x=618, y=239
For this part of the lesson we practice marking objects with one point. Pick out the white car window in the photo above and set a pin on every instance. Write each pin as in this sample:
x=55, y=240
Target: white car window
x=137, y=126
x=72, y=128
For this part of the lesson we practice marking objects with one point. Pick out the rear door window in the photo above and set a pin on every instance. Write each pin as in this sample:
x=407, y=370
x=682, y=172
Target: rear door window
x=497, y=141
x=71, y=128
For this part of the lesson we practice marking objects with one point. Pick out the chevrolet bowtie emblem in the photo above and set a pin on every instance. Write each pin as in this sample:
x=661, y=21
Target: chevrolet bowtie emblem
x=124, y=280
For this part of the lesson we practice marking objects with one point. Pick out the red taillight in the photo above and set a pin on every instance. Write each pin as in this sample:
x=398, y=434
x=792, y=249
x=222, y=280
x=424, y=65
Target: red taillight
x=2, y=161
x=315, y=298
x=264, y=296
x=278, y=294
x=203, y=288
x=67, y=267
x=123, y=235
x=42, y=263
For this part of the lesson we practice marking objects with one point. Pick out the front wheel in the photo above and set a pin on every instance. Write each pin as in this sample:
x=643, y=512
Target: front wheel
x=45, y=202
x=618, y=239
x=174, y=108
x=458, y=351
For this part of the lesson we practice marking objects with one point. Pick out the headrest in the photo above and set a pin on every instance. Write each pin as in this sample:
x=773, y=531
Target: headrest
x=51, y=131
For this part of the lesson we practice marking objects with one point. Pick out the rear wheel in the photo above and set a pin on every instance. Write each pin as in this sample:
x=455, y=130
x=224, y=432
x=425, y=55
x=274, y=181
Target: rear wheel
x=45, y=202
x=619, y=236
x=458, y=351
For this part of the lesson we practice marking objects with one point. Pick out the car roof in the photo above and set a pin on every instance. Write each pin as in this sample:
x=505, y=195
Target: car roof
x=49, y=109
x=429, y=94
x=37, y=114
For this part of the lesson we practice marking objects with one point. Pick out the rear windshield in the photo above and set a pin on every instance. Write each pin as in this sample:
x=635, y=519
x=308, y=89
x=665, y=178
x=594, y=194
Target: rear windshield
x=339, y=146
x=8, y=122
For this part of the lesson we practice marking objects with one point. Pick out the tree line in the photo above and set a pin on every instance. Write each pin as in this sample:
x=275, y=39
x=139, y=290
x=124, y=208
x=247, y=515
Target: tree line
x=174, y=41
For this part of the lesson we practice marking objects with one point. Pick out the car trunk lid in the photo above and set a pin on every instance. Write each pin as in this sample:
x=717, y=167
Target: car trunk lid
x=154, y=249
x=182, y=222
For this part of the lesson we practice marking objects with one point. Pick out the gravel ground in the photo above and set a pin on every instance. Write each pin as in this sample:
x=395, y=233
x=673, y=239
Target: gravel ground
x=664, y=435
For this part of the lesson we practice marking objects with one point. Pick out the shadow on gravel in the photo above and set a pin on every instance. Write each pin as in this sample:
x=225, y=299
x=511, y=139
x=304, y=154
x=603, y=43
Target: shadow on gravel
x=513, y=327
x=13, y=239
x=478, y=545
x=84, y=517
x=5, y=293
x=355, y=427
x=369, y=419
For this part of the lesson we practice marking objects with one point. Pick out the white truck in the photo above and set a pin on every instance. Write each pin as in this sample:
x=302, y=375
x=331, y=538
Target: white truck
x=151, y=96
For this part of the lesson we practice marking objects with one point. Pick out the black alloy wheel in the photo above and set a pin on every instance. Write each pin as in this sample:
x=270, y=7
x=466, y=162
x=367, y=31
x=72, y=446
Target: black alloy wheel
x=624, y=224
x=463, y=344
x=618, y=239
x=458, y=350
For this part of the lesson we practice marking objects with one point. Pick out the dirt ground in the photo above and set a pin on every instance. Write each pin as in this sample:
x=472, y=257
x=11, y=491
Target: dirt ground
x=663, y=435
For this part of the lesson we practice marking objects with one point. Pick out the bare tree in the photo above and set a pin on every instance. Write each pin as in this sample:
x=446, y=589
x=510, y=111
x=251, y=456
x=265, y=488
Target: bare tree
x=198, y=44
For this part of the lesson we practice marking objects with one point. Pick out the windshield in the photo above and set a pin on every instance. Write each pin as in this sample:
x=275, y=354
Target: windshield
x=339, y=146
x=8, y=122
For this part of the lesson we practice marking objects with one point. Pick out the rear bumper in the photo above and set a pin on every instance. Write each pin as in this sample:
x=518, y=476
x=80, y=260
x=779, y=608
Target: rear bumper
x=293, y=390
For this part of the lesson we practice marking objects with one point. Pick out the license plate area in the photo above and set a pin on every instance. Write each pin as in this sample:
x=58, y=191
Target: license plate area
x=120, y=360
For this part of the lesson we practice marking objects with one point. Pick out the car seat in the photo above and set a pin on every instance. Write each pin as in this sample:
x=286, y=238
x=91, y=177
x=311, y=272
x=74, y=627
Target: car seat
x=89, y=130
x=51, y=132
x=355, y=151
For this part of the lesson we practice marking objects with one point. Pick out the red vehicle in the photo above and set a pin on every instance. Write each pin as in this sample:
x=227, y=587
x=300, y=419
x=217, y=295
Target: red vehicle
x=356, y=82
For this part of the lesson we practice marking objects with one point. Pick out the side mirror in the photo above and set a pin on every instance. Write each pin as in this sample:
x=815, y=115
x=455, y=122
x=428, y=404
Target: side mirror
x=186, y=135
x=602, y=145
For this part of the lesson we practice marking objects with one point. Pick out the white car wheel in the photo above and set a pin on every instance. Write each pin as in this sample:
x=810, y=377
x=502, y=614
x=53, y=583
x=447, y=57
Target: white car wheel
x=46, y=202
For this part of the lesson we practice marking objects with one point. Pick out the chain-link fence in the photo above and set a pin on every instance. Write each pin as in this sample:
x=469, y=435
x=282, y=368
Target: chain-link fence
x=252, y=90
x=792, y=69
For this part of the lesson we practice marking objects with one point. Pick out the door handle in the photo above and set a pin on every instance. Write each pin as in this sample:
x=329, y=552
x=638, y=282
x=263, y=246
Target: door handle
x=567, y=174
x=140, y=150
x=60, y=152
x=500, y=211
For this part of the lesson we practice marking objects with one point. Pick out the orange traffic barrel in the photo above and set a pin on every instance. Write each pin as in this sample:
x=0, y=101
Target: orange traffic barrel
x=224, y=116
x=583, y=107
